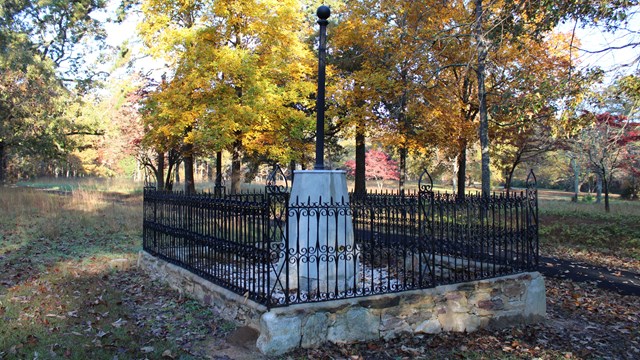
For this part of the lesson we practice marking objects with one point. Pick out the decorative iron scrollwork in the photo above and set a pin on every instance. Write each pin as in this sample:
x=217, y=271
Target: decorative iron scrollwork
x=272, y=181
x=424, y=187
x=148, y=182
x=532, y=185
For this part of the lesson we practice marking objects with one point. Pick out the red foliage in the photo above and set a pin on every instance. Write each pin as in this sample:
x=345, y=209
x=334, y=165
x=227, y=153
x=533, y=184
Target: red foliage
x=625, y=134
x=378, y=166
x=630, y=130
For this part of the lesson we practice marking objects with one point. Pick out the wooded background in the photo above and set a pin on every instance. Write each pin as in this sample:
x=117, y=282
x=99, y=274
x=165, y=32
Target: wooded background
x=476, y=91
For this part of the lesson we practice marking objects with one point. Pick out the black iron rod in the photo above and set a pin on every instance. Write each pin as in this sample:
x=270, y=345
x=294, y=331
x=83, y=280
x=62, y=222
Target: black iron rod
x=323, y=14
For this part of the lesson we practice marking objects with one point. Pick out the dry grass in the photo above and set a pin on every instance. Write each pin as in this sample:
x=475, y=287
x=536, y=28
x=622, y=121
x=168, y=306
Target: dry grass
x=68, y=288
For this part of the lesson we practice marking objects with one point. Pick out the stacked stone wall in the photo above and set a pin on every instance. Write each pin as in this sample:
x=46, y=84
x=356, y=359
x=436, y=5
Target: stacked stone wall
x=492, y=303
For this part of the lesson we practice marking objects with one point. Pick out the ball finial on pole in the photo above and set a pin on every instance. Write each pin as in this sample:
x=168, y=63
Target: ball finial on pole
x=323, y=12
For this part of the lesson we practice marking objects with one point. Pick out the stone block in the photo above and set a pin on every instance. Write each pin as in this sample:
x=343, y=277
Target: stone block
x=418, y=317
x=381, y=302
x=535, y=308
x=278, y=334
x=392, y=327
x=357, y=324
x=504, y=319
x=316, y=235
x=459, y=322
x=463, y=307
x=491, y=305
x=431, y=326
x=457, y=302
x=314, y=331
x=515, y=289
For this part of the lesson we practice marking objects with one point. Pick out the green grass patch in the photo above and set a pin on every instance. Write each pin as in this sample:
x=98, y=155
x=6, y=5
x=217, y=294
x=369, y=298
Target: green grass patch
x=111, y=185
x=586, y=226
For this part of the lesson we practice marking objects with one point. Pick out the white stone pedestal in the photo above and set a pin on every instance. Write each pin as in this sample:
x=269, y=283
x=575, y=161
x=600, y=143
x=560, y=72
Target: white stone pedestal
x=321, y=243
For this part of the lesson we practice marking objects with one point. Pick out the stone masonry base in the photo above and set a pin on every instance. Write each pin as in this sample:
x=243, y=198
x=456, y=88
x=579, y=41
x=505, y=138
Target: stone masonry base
x=492, y=303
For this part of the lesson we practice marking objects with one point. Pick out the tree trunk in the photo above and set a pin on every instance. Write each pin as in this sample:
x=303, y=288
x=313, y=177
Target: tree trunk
x=235, y=167
x=509, y=178
x=3, y=163
x=209, y=172
x=598, y=188
x=605, y=183
x=576, y=179
x=218, y=168
x=189, y=178
x=360, y=189
x=462, y=170
x=173, y=160
x=403, y=169
x=160, y=171
x=292, y=168
x=454, y=178
x=482, y=99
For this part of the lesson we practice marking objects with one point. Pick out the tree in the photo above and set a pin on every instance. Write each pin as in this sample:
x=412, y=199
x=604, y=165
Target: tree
x=388, y=42
x=28, y=107
x=533, y=19
x=482, y=97
x=531, y=111
x=57, y=31
x=606, y=144
x=241, y=82
x=379, y=166
x=40, y=49
x=159, y=146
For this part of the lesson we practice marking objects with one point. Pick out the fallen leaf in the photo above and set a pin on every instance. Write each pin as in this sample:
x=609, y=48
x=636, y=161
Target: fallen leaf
x=147, y=349
x=118, y=323
x=61, y=317
x=32, y=340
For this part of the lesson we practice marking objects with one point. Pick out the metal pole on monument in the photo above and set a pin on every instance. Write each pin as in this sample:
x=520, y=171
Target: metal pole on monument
x=323, y=13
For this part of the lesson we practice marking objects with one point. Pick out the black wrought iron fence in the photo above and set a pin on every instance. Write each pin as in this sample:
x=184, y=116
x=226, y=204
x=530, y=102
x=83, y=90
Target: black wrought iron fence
x=280, y=251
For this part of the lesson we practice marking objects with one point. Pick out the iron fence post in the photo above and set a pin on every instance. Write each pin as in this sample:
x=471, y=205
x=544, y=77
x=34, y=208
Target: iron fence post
x=532, y=219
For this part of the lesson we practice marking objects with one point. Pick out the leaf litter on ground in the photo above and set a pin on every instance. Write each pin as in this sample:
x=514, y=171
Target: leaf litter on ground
x=78, y=307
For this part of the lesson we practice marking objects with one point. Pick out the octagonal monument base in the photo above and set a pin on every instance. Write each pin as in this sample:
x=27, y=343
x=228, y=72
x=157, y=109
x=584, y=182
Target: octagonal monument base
x=322, y=255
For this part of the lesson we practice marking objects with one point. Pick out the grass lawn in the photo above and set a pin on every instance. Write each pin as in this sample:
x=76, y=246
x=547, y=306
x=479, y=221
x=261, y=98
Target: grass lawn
x=584, y=231
x=69, y=288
